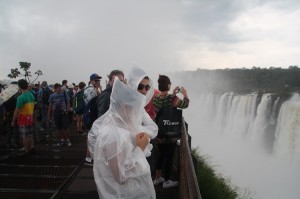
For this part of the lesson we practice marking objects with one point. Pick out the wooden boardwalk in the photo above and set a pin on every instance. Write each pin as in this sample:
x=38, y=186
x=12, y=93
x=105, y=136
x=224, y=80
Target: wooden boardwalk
x=53, y=172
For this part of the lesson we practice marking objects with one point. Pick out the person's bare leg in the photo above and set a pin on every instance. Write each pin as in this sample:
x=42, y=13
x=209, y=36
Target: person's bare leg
x=26, y=144
x=31, y=142
x=64, y=134
x=78, y=123
x=157, y=174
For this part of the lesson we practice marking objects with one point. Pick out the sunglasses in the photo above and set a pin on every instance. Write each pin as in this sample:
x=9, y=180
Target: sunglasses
x=142, y=86
x=97, y=80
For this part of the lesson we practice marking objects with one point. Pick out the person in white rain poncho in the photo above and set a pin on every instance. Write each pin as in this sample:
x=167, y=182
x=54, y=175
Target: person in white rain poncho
x=144, y=122
x=120, y=166
x=139, y=81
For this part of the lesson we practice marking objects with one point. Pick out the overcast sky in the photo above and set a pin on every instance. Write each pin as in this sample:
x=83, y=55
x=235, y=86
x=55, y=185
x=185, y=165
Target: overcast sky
x=70, y=39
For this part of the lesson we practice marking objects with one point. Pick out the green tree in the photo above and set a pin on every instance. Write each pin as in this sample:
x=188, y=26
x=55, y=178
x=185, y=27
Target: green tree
x=24, y=66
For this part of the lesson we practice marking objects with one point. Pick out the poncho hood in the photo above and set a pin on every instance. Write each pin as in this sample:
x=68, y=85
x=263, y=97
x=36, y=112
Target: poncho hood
x=135, y=76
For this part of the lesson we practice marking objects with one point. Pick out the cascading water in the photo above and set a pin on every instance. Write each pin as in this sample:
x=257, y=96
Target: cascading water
x=287, y=135
x=247, y=135
x=237, y=115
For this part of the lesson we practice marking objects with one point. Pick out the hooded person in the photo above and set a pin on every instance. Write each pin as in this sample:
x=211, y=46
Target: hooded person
x=120, y=166
x=144, y=122
x=135, y=78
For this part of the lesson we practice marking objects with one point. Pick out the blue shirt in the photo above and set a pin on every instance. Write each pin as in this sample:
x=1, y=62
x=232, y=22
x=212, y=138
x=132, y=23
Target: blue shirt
x=58, y=100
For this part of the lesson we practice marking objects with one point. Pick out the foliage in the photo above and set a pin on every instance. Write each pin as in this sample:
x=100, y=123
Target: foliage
x=244, y=80
x=25, y=66
x=212, y=186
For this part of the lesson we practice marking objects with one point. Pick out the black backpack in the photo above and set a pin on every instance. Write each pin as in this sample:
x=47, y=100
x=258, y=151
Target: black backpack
x=90, y=113
x=169, y=121
x=46, y=92
x=78, y=102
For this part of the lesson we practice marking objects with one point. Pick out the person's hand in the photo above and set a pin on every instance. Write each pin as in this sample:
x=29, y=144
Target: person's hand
x=176, y=89
x=183, y=91
x=142, y=140
x=98, y=88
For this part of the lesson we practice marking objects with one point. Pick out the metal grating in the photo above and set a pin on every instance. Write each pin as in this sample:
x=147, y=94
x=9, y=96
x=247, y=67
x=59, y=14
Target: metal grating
x=162, y=193
x=6, y=151
x=35, y=171
x=25, y=195
x=41, y=161
x=82, y=185
x=49, y=173
x=10, y=182
x=86, y=172
x=79, y=196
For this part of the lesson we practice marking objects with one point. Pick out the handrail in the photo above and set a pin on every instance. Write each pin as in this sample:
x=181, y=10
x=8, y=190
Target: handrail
x=189, y=187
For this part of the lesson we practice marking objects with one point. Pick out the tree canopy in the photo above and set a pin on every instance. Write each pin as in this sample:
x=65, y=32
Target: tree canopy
x=244, y=80
x=24, y=66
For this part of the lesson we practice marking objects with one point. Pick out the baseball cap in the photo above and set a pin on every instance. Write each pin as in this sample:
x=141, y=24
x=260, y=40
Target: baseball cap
x=44, y=84
x=95, y=76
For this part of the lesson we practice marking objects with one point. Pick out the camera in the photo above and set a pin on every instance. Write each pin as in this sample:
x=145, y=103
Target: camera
x=179, y=89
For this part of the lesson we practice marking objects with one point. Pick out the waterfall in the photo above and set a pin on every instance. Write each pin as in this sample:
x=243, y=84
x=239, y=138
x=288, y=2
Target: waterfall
x=287, y=135
x=261, y=122
x=247, y=116
x=254, y=118
x=249, y=138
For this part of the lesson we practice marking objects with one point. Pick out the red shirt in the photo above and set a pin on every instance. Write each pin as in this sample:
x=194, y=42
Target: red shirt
x=150, y=107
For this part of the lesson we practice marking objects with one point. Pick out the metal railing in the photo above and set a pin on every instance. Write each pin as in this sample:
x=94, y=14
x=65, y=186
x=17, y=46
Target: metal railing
x=189, y=188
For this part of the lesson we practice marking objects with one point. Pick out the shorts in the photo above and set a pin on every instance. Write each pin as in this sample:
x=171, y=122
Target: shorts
x=26, y=131
x=61, y=119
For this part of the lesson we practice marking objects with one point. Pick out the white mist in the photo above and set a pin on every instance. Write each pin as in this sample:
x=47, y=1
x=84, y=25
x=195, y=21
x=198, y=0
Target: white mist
x=235, y=132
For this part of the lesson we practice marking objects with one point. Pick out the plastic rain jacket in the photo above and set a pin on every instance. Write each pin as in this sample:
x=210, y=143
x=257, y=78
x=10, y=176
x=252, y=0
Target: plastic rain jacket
x=145, y=123
x=120, y=167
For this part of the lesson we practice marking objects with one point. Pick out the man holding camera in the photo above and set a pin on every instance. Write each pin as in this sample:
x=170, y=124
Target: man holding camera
x=59, y=105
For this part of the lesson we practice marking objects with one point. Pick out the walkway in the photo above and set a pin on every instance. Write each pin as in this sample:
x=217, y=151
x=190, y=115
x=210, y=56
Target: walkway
x=53, y=172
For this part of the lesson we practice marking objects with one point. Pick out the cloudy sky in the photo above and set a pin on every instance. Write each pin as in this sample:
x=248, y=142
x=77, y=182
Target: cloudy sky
x=70, y=39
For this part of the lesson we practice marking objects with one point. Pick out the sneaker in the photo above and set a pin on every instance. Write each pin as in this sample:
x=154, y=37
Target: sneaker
x=61, y=143
x=169, y=184
x=88, y=161
x=158, y=181
x=68, y=143
x=41, y=129
x=83, y=134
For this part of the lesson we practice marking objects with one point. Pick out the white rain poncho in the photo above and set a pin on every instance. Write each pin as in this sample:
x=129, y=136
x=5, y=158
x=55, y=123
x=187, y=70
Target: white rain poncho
x=120, y=167
x=135, y=76
x=144, y=122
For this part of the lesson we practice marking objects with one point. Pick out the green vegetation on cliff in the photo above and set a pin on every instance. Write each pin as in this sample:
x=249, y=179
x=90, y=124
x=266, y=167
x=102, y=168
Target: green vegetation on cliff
x=212, y=186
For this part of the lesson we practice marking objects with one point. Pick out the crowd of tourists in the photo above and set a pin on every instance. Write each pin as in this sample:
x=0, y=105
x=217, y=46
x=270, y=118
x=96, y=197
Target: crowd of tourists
x=120, y=123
